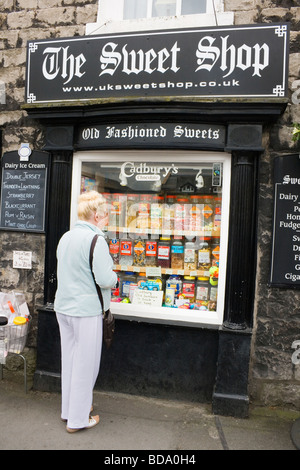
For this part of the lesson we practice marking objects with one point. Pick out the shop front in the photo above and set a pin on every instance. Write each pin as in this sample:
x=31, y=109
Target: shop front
x=177, y=160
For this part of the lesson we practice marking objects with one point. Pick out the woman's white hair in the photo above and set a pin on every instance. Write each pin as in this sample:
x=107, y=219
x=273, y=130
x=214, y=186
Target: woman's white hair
x=90, y=202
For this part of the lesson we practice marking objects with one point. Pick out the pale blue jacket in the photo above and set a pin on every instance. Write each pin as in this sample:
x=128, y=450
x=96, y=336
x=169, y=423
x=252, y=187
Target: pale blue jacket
x=76, y=293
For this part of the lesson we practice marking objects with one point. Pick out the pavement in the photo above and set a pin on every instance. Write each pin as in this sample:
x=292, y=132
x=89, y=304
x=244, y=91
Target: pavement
x=128, y=424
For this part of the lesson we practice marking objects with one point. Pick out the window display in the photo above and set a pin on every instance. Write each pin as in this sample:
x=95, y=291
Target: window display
x=164, y=231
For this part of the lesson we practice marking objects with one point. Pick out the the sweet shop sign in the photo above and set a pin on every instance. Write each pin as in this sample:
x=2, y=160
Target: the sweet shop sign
x=228, y=61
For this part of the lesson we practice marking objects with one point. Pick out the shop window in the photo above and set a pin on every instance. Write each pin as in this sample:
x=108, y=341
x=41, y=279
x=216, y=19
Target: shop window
x=153, y=8
x=167, y=230
x=115, y=14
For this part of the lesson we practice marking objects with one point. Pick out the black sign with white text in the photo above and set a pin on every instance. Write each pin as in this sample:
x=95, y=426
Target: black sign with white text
x=160, y=134
x=226, y=61
x=23, y=192
x=285, y=267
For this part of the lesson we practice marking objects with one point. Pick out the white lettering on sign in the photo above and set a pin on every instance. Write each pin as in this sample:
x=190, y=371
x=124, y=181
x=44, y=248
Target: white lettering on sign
x=287, y=179
x=131, y=132
x=90, y=133
x=144, y=172
x=138, y=132
x=137, y=61
x=242, y=57
x=189, y=133
x=128, y=169
x=67, y=65
x=289, y=197
x=58, y=60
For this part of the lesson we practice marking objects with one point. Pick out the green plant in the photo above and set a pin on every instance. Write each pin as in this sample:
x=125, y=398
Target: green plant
x=296, y=132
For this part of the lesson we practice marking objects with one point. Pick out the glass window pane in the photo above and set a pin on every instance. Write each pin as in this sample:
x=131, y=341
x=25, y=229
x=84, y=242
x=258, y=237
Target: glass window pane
x=166, y=217
x=135, y=9
x=190, y=7
x=164, y=8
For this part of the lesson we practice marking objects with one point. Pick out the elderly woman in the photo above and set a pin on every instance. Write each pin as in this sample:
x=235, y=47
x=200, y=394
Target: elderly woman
x=78, y=309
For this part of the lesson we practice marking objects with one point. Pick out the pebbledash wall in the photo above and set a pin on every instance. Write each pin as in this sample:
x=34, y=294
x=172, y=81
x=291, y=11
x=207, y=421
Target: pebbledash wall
x=274, y=379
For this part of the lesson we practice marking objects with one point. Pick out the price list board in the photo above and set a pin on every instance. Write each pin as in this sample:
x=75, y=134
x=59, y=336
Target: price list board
x=285, y=264
x=24, y=192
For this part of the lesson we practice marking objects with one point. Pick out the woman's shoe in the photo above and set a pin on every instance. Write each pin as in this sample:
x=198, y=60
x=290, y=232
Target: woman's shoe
x=93, y=420
x=91, y=411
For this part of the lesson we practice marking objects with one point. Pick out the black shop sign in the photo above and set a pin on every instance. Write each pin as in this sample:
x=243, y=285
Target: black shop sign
x=285, y=266
x=24, y=192
x=170, y=135
x=228, y=61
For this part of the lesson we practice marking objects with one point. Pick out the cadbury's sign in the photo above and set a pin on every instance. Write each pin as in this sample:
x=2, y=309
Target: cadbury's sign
x=246, y=61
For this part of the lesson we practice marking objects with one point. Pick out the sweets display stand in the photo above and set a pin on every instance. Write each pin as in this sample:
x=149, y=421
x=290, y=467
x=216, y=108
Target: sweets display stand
x=16, y=336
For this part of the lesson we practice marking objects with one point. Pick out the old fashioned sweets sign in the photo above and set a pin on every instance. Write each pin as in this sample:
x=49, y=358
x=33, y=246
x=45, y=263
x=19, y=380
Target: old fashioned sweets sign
x=285, y=267
x=167, y=134
x=244, y=61
x=23, y=192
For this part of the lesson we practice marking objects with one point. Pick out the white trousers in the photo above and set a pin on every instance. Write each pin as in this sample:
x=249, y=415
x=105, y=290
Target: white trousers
x=81, y=345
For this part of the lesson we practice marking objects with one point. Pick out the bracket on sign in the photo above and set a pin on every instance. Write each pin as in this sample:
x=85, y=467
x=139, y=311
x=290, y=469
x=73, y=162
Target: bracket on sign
x=24, y=152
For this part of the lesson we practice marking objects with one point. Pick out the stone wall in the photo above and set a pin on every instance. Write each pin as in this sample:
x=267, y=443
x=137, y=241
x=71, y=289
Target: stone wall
x=273, y=378
x=20, y=21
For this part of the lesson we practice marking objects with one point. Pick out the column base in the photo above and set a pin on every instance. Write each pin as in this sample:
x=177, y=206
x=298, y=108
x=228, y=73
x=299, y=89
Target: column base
x=230, y=396
x=230, y=405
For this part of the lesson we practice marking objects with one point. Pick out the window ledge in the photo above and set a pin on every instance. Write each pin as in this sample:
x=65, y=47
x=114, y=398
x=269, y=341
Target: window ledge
x=166, y=316
x=152, y=24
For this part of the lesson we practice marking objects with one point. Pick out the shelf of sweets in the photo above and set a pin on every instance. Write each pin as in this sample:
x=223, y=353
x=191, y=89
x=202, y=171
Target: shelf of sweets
x=165, y=233
x=168, y=271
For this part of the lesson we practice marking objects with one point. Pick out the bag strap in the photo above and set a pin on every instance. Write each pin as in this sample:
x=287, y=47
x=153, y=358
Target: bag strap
x=94, y=241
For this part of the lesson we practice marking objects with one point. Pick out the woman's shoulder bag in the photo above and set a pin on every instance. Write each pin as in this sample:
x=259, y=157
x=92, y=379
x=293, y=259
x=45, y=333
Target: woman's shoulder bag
x=108, y=318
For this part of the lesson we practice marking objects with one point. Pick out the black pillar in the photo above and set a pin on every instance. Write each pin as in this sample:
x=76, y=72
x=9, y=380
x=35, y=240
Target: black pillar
x=58, y=217
x=47, y=374
x=231, y=388
x=241, y=247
